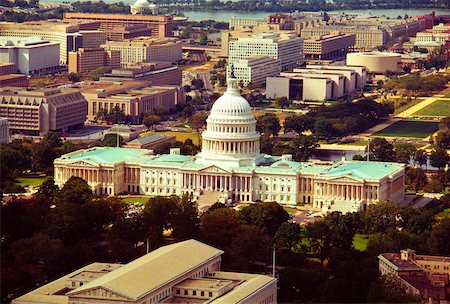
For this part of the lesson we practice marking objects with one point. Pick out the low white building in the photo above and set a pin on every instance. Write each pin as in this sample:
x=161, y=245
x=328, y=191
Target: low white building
x=255, y=69
x=32, y=55
x=231, y=166
x=376, y=62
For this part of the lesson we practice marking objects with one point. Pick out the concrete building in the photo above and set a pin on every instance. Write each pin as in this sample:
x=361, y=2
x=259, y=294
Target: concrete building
x=69, y=35
x=376, y=62
x=86, y=60
x=146, y=49
x=13, y=80
x=42, y=110
x=151, y=141
x=328, y=47
x=128, y=32
x=230, y=166
x=158, y=73
x=423, y=275
x=236, y=23
x=32, y=55
x=4, y=130
x=184, y=272
x=255, y=69
x=7, y=68
x=317, y=83
x=286, y=48
x=142, y=7
x=132, y=97
x=160, y=26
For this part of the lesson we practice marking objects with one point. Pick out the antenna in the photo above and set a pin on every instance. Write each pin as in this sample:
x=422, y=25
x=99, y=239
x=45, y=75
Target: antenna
x=148, y=246
x=368, y=150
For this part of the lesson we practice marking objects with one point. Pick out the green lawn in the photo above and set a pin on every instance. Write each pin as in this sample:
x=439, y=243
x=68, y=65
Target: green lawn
x=440, y=107
x=30, y=181
x=140, y=199
x=413, y=102
x=443, y=215
x=242, y=206
x=360, y=242
x=290, y=210
x=361, y=143
x=409, y=128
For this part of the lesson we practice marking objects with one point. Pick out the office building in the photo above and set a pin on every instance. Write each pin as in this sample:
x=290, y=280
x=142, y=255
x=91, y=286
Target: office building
x=316, y=83
x=328, y=47
x=184, y=272
x=376, y=62
x=86, y=60
x=158, y=73
x=4, y=130
x=42, y=110
x=32, y=55
x=236, y=23
x=7, y=68
x=230, y=166
x=160, y=26
x=132, y=97
x=286, y=48
x=255, y=70
x=13, y=80
x=146, y=49
x=422, y=275
x=128, y=32
x=68, y=34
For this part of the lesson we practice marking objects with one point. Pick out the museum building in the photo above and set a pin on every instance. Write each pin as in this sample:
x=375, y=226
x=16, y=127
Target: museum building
x=231, y=166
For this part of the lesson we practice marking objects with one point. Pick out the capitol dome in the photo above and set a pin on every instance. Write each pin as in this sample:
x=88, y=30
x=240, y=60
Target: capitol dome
x=230, y=138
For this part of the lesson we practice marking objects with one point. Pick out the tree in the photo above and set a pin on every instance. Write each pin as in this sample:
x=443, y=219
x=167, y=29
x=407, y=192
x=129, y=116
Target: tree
x=46, y=151
x=282, y=102
x=111, y=140
x=439, y=158
x=220, y=226
x=187, y=221
x=323, y=128
x=439, y=243
x=288, y=236
x=115, y=116
x=404, y=152
x=150, y=120
x=381, y=150
x=48, y=188
x=268, y=124
x=75, y=191
x=198, y=120
x=74, y=77
x=297, y=123
x=421, y=157
x=197, y=83
x=266, y=216
x=303, y=147
x=317, y=235
x=415, y=179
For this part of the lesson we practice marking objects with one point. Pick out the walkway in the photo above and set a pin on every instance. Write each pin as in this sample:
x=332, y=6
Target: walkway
x=425, y=103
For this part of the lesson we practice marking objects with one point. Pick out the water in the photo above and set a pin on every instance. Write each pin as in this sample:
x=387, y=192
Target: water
x=224, y=16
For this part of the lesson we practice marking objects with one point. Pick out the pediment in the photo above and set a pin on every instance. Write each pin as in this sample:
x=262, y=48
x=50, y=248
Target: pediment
x=214, y=169
x=83, y=163
x=346, y=179
x=98, y=292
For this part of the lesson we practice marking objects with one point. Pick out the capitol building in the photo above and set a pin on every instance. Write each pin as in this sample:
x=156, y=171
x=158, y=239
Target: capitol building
x=231, y=166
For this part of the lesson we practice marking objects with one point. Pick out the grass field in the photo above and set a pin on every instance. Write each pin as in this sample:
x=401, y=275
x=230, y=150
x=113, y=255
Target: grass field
x=409, y=128
x=409, y=105
x=140, y=199
x=440, y=107
x=290, y=210
x=443, y=215
x=360, y=242
x=30, y=181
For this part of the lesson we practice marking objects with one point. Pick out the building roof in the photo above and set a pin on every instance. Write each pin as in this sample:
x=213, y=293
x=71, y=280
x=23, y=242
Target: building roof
x=144, y=140
x=99, y=155
x=153, y=270
x=363, y=169
x=394, y=260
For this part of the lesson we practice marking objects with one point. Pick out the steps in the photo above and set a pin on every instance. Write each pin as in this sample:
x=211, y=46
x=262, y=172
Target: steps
x=207, y=198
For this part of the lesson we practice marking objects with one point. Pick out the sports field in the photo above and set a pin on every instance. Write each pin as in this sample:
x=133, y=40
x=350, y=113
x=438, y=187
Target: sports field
x=440, y=107
x=409, y=128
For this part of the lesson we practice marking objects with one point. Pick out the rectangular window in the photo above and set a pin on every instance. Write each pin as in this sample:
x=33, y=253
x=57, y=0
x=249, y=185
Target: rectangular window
x=202, y=293
x=194, y=293
x=185, y=292
x=210, y=294
x=178, y=291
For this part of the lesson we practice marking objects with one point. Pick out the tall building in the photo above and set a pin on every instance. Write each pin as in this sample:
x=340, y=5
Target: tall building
x=255, y=70
x=284, y=47
x=158, y=73
x=132, y=97
x=160, y=26
x=422, y=275
x=4, y=131
x=128, y=32
x=32, y=55
x=69, y=35
x=231, y=166
x=7, y=68
x=184, y=272
x=328, y=47
x=146, y=49
x=42, y=110
x=13, y=80
x=86, y=60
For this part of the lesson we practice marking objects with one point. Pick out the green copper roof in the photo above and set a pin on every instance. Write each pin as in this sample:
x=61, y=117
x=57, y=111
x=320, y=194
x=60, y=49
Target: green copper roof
x=362, y=169
x=172, y=158
x=104, y=155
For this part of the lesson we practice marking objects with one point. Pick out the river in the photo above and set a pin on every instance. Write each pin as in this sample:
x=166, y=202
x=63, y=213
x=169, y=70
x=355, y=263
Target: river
x=224, y=16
